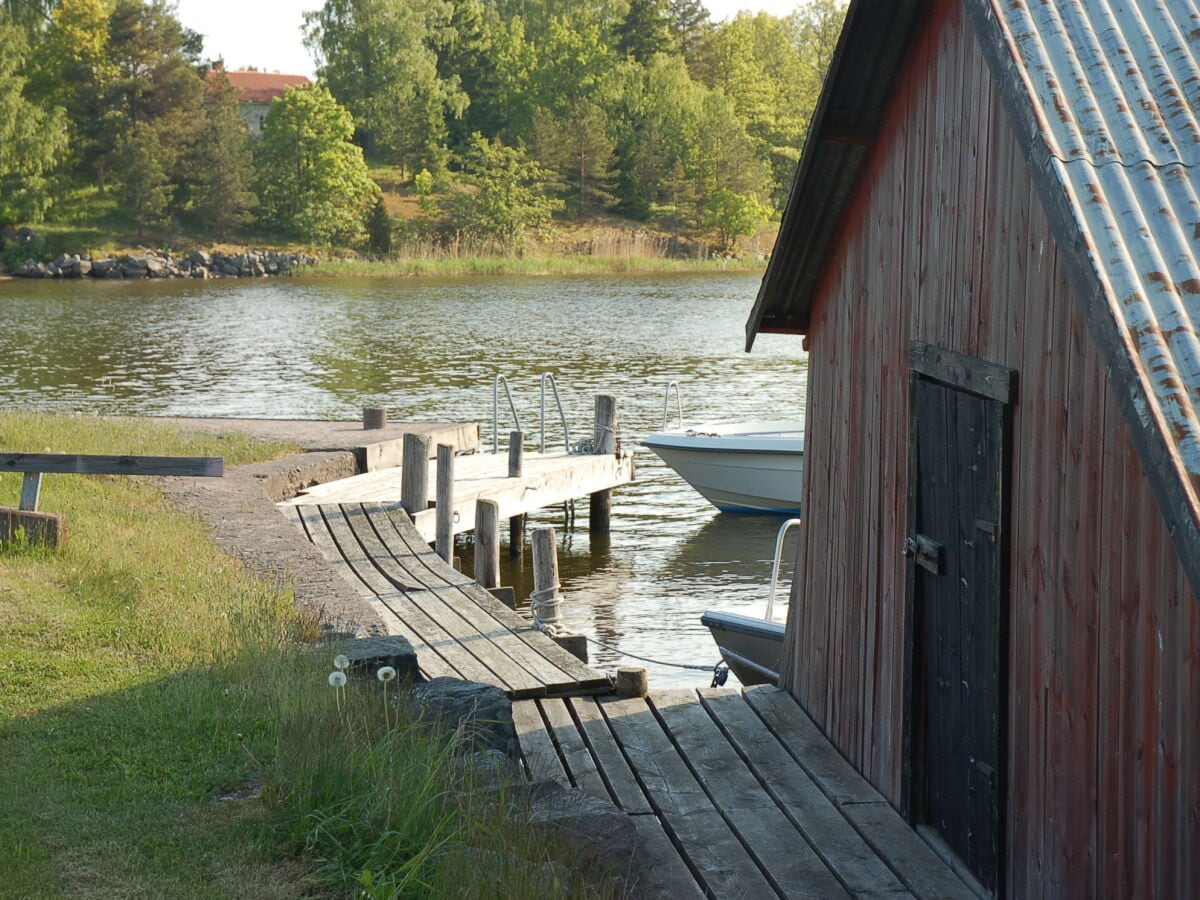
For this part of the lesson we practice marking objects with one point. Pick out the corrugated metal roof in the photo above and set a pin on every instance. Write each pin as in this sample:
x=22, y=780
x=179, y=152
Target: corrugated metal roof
x=1115, y=89
x=1104, y=98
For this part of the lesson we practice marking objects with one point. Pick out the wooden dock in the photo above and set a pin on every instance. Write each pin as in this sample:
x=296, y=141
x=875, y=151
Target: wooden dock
x=457, y=627
x=547, y=479
x=733, y=795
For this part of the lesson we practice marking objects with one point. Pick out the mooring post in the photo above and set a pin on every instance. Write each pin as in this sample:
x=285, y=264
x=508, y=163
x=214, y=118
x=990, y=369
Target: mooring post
x=545, y=572
x=604, y=440
x=516, y=453
x=445, y=503
x=632, y=682
x=374, y=417
x=414, y=478
x=487, y=543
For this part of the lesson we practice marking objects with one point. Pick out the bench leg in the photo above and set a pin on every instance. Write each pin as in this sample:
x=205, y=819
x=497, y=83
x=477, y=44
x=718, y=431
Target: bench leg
x=31, y=490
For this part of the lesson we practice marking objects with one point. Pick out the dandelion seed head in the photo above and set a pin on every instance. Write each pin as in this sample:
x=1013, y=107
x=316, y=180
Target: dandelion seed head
x=337, y=679
x=341, y=661
x=385, y=673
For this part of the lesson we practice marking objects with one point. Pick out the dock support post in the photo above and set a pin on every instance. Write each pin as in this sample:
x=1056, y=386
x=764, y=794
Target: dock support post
x=487, y=543
x=414, y=479
x=604, y=440
x=445, y=503
x=516, y=524
x=516, y=536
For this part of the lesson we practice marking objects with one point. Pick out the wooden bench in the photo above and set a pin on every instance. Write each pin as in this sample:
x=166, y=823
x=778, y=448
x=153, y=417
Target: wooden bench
x=47, y=528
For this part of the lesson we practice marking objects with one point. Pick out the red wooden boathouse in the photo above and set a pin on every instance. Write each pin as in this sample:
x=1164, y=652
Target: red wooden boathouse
x=993, y=249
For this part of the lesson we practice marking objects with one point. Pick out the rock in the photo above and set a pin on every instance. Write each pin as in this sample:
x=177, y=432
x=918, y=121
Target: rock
x=229, y=269
x=604, y=836
x=101, y=267
x=157, y=268
x=482, y=711
x=200, y=258
x=199, y=272
x=369, y=654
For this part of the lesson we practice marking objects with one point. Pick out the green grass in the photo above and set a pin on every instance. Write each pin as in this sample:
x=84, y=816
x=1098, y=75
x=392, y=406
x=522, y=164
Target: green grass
x=149, y=683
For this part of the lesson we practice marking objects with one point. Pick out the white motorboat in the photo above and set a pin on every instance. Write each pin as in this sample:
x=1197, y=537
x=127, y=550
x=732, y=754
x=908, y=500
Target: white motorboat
x=740, y=466
x=751, y=645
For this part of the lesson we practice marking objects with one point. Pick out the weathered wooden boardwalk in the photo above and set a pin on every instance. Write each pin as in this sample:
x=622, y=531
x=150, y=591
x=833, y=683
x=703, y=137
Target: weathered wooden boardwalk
x=734, y=795
x=547, y=479
x=456, y=627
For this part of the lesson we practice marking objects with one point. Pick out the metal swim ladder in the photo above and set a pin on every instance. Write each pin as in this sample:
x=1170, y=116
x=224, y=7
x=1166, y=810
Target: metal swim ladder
x=678, y=403
x=547, y=378
x=783, y=530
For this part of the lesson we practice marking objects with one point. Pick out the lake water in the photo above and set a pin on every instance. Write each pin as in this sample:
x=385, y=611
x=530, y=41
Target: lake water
x=428, y=349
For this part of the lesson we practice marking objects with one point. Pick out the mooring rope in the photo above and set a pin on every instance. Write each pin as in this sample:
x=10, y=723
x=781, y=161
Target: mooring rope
x=657, y=662
x=543, y=605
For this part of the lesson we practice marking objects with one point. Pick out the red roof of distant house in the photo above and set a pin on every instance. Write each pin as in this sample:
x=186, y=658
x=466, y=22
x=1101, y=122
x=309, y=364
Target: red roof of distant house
x=260, y=87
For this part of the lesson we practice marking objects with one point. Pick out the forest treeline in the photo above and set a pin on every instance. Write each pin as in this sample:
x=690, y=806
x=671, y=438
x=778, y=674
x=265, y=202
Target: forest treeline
x=495, y=114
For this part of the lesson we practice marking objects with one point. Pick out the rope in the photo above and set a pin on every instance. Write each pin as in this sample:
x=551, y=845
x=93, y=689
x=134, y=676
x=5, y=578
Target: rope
x=657, y=662
x=546, y=601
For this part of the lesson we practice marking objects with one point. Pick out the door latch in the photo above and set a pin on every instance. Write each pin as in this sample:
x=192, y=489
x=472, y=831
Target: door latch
x=928, y=553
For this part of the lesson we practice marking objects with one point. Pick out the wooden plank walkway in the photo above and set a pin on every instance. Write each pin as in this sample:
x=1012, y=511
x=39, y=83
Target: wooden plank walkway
x=456, y=626
x=547, y=479
x=734, y=795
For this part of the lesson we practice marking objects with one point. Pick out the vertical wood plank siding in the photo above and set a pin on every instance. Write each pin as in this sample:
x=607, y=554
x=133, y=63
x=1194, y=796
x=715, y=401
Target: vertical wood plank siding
x=946, y=242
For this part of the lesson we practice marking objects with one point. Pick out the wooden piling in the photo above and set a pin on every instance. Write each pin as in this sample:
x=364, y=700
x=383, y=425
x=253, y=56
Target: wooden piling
x=445, y=502
x=487, y=543
x=516, y=453
x=414, y=483
x=545, y=565
x=632, y=682
x=516, y=536
x=604, y=440
x=374, y=417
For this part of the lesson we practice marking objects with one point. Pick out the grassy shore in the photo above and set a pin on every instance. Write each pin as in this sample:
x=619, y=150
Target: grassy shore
x=434, y=266
x=168, y=729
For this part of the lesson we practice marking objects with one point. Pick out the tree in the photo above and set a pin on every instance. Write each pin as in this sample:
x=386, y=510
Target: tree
x=312, y=181
x=139, y=165
x=577, y=148
x=646, y=30
x=222, y=197
x=734, y=215
x=149, y=75
x=502, y=195
x=689, y=23
x=379, y=58
x=31, y=138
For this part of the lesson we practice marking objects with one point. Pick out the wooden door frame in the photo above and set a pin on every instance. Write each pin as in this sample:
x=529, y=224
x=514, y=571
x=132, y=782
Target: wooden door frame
x=997, y=383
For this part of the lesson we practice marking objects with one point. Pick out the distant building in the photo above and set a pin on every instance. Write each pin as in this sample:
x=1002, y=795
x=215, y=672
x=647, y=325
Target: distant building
x=257, y=91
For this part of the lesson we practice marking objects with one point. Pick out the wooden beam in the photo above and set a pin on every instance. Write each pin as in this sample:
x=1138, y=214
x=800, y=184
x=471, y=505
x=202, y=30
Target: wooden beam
x=87, y=464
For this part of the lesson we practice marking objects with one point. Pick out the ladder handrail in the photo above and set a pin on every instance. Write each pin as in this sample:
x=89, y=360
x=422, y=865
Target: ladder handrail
x=496, y=410
x=562, y=415
x=678, y=403
x=783, y=530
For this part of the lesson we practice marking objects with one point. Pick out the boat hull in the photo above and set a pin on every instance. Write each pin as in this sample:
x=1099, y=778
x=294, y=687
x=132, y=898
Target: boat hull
x=750, y=646
x=737, y=471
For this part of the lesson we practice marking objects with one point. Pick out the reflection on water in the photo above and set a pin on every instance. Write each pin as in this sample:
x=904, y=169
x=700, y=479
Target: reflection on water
x=428, y=348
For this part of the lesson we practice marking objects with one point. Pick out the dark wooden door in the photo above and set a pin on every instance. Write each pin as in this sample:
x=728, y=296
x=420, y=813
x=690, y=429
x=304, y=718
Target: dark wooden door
x=956, y=547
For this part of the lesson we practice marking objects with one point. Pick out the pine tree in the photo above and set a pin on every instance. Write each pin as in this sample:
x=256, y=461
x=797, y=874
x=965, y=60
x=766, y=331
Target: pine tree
x=139, y=165
x=222, y=198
